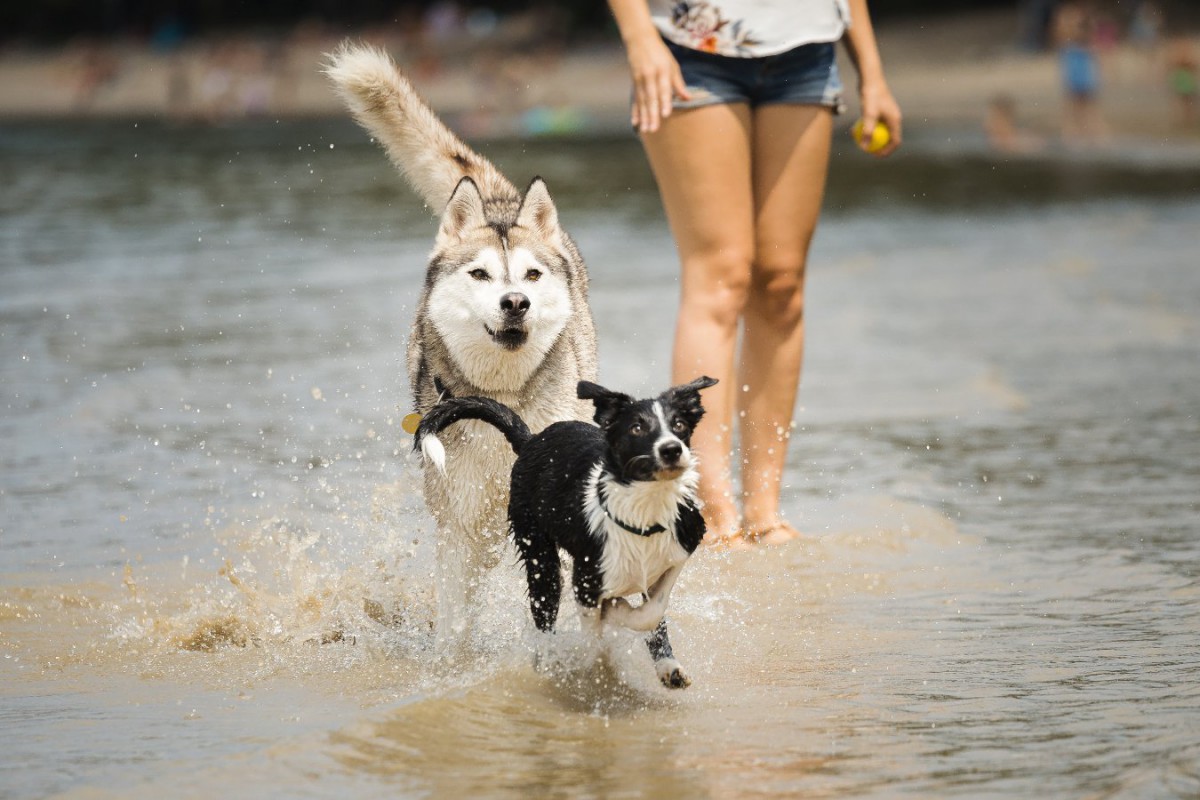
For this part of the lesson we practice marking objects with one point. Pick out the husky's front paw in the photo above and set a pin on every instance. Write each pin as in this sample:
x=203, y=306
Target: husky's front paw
x=671, y=674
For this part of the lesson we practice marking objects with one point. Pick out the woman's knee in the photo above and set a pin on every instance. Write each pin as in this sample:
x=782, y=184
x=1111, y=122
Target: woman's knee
x=718, y=286
x=777, y=292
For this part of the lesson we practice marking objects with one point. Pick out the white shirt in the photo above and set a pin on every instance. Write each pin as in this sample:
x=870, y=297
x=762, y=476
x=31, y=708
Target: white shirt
x=750, y=28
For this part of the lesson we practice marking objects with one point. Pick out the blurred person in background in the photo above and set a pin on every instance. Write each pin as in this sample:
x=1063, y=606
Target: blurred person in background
x=1183, y=79
x=1004, y=134
x=1145, y=27
x=734, y=101
x=1074, y=36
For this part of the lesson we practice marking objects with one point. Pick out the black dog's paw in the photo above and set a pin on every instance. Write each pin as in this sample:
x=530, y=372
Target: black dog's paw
x=672, y=675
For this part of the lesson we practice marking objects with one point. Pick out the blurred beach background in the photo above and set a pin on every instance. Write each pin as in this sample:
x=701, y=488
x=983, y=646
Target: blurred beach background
x=519, y=68
x=214, y=559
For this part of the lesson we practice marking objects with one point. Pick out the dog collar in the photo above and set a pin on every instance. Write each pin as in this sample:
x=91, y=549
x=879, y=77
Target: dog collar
x=653, y=529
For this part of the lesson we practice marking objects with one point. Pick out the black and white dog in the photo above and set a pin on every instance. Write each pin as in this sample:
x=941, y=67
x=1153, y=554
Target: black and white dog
x=619, y=498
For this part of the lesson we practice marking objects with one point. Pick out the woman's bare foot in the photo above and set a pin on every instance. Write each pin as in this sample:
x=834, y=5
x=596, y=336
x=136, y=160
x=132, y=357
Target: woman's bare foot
x=773, y=533
x=724, y=532
x=732, y=539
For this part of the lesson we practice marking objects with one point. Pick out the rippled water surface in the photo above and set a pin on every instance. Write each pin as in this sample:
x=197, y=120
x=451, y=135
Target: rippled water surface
x=215, y=565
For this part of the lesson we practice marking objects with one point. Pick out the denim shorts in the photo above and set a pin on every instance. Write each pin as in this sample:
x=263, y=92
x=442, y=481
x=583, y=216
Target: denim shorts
x=806, y=75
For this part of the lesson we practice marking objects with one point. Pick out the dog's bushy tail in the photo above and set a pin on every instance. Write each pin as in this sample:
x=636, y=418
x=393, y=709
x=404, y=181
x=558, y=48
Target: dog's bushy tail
x=383, y=101
x=455, y=409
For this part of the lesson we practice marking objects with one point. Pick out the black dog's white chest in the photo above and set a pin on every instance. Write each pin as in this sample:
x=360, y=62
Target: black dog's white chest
x=631, y=562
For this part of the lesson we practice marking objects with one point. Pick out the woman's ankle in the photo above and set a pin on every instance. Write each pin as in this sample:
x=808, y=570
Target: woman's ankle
x=721, y=523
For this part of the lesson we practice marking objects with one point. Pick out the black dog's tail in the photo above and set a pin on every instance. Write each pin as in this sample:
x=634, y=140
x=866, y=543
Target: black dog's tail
x=455, y=409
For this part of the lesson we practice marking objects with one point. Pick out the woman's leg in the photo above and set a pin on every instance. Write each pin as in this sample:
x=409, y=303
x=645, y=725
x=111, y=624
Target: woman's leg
x=791, y=156
x=701, y=160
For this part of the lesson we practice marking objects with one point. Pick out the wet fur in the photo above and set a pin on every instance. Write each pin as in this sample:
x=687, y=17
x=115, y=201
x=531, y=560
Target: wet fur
x=579, y=488
x=495, y=245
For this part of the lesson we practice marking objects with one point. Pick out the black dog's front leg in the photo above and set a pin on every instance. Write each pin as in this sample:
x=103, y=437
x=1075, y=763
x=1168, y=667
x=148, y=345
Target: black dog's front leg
x=669, y=671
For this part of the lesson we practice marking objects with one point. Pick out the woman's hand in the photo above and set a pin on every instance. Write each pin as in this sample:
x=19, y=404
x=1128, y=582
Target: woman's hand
x=657, y=81
x=878, y=105
x=876, y=99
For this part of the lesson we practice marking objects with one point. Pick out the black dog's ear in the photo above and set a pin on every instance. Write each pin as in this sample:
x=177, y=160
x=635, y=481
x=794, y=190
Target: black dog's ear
x=608, y=403
x=703, y=382
x=685, y=398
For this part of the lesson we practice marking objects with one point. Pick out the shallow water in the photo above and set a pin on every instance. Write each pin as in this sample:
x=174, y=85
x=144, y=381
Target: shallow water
x=214, y=565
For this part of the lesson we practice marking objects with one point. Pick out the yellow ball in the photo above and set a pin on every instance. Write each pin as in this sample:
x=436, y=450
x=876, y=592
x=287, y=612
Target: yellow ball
x=879, y=137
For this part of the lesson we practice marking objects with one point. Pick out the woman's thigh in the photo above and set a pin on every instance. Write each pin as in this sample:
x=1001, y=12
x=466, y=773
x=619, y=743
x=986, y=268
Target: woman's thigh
x=703, y=164
x=791, y=146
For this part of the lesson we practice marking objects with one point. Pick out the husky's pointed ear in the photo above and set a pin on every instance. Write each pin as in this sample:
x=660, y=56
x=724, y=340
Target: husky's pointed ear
x=464, y=212
x=608, y=403
x=537, y=210
x=685, y=398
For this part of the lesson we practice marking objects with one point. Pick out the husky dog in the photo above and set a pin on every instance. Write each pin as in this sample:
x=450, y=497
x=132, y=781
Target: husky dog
x=620, y=499
x=503, y=315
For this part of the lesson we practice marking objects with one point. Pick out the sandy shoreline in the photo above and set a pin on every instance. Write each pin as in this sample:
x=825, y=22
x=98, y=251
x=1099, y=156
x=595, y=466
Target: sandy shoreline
x=943, y=71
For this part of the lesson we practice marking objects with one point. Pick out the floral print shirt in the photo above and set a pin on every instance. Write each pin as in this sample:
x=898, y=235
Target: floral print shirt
x=749, y=28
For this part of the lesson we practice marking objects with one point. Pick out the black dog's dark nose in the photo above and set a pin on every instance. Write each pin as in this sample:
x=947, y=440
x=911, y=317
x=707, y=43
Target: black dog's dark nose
x=514, y=304
x=670, y=452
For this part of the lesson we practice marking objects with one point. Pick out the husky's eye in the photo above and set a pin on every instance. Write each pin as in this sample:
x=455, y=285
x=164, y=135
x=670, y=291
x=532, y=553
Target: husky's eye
x=678, y=426
x=533, y=275
x=637, y=429
x=479, y=274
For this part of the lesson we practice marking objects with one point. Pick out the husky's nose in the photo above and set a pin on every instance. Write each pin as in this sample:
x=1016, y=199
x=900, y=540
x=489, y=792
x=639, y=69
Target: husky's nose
x=514, y=305
x=670, y=452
